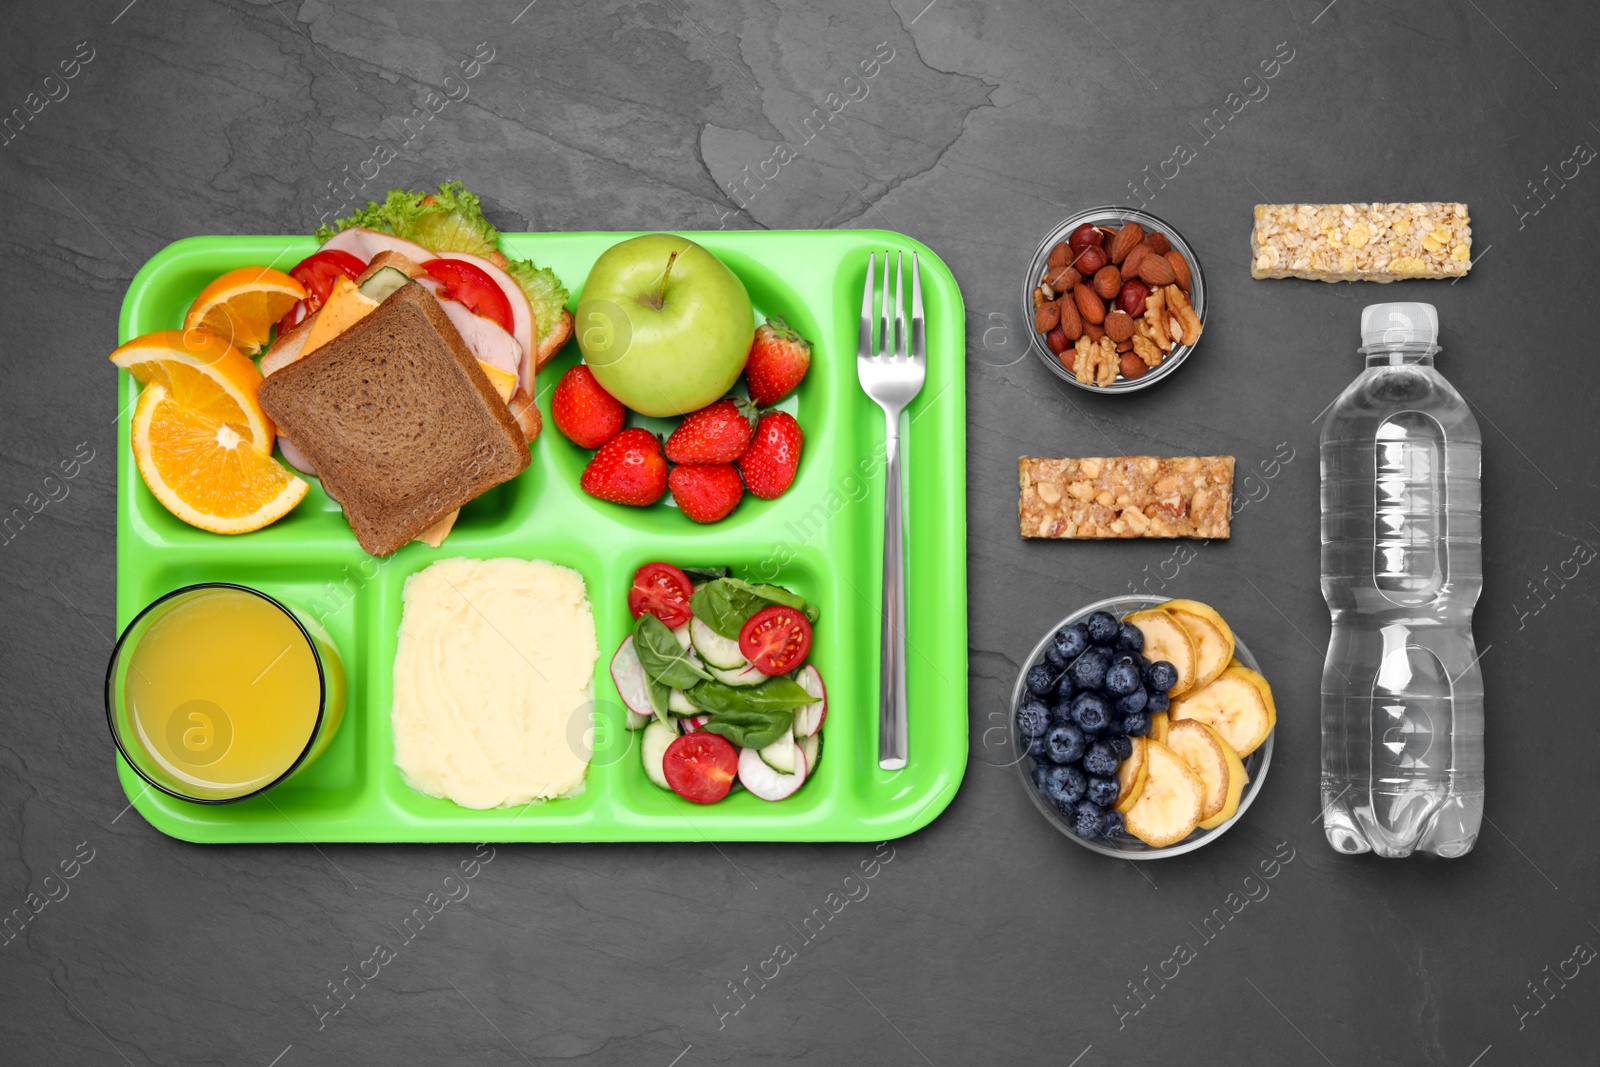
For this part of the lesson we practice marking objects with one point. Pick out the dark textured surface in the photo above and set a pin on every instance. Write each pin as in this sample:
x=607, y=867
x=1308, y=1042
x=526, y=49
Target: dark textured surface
x=986, y=938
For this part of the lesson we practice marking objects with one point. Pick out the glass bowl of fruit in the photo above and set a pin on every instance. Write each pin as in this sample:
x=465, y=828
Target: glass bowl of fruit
x=1115, y=299
x=1141, y=727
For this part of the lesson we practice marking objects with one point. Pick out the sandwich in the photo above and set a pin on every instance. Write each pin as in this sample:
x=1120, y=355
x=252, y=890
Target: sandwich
x=396, y=414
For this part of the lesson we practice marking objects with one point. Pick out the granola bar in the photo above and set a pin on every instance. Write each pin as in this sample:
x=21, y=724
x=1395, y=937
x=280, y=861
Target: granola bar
x=1361, y=242
x=1126, y=496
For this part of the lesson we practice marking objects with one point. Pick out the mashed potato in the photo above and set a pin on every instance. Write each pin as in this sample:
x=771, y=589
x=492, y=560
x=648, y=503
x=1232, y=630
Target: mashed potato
x=493, y=681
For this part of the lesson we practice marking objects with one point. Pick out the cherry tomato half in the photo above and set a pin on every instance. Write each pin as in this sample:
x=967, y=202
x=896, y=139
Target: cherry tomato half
x=776, y=639
x=317, y=272
x=662, y=590
x=469, y=285
x=701, y=766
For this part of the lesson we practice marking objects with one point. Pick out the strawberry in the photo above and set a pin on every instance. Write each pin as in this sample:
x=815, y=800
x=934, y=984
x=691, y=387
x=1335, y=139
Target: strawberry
x=584, y=412
x=716, y=434
x=770, y=462
x=779, y=358
x=705, y=492
x=628, y=469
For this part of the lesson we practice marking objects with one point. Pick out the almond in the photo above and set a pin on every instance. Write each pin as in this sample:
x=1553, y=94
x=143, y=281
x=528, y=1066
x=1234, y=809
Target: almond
x=1124, y=240
x=1063, y=279
x=1045, y=317
x=1091, y=307
x=1060, y=256
x=1069, y=322
x=1130, y=264
x=1119, y=326
x=1155, y=270
x=1180, y=267
x=1107, y=282
x=1158, y=243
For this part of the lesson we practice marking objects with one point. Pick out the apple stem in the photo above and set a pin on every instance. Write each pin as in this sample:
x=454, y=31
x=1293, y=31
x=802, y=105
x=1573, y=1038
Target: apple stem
x=661, y=294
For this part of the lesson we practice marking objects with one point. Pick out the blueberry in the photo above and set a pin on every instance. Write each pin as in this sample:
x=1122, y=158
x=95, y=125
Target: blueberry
x=1061, y=711
x=1033, y=718
x=1088, y=820
x=1063, y=743
x=1122, y=743
x=1102, y=627
x=1101, y=791
x=1161, y=675
x=1157, y=702
x=1090, y=712
x=1101, y=759
x=1065, y=786
x=1089, y=670
x=1064, y=687
x=1129, y=703
x=1041, y=776
x=1122, y=679
x=1136, y=724
x=1034, y=746
x=1067, y=644
x=1130, y=637
x=1114, y=824
x=1041, y=680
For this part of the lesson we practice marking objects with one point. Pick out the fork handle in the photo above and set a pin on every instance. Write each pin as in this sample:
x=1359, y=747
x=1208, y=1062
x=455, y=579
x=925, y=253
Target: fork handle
x=892, y=683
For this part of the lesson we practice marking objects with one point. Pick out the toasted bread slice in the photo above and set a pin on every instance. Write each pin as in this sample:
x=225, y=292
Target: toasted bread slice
x=549, y=344
x=398, y=419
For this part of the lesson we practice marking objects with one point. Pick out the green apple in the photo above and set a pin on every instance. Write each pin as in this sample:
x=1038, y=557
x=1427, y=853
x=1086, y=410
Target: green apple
x=664, y=325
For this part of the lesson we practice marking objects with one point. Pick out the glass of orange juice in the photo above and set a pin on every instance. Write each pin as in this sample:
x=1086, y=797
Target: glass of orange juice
x=217, y=692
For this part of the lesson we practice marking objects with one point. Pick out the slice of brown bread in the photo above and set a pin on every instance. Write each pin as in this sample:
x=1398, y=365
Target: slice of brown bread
x=398, y=420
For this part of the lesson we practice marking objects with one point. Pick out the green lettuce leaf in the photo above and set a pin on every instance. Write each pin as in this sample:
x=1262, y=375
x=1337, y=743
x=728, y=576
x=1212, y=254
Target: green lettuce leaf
x=450, y=220
x=545, y=292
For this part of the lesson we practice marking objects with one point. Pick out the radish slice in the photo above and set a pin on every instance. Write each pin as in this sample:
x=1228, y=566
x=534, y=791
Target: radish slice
x=521, y=311
x=767, y=783
x=364, y=244
x=296, y=458
x=693, y=723
x=808, y=720
x=628, y=674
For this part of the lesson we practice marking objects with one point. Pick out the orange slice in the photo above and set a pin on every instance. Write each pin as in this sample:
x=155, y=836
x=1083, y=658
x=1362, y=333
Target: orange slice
x=204, y=471
x=241, y=306
x=205, y=374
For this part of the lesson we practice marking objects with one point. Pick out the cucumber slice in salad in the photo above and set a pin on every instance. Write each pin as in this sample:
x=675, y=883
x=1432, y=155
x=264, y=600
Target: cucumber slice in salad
x=716, y=650
x=781, y=755
x=746, y=675
x=637, y=721
x=678, y=704
x=658, y=737
x=765, y=782
x=810, y=751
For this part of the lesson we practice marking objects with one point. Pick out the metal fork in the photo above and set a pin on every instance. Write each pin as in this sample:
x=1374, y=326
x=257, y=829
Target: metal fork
x=893, y=380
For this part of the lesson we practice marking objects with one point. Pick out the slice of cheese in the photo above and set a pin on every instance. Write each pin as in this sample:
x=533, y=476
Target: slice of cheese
x=504, y=382
x=346, y=306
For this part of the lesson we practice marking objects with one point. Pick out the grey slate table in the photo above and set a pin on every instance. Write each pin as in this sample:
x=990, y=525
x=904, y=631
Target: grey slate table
x=987, y=937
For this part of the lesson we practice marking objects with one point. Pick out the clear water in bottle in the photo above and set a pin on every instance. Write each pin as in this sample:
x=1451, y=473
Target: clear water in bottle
x=1402, y=566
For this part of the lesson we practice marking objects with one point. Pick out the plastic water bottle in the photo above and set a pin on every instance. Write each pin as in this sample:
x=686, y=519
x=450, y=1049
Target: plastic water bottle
x=1402, y=566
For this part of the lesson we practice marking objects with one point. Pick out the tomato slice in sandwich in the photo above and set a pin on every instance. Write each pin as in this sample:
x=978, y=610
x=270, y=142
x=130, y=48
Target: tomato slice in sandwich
x=317, y=272
x=466, y=284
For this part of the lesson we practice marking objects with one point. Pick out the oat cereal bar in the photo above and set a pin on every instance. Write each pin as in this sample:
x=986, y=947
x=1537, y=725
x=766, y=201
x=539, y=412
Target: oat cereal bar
x=1360, y=242
x=1126, y=496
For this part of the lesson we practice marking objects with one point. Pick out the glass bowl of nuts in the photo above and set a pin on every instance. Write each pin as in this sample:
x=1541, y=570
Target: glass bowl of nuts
x=1116, y=299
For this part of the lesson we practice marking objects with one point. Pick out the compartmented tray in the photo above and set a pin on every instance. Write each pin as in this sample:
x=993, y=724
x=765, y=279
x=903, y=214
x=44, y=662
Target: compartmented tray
x=823, y=538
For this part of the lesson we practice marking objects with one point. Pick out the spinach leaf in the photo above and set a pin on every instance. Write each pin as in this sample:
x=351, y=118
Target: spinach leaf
x=664, y=660
x=751, y=728
x=726, y=604
x=779, y=595
x=705, y=574
x=773, y=695
x=659, y=694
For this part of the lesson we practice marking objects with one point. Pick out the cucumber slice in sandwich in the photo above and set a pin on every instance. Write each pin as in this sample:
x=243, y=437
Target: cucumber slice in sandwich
x=383, y=283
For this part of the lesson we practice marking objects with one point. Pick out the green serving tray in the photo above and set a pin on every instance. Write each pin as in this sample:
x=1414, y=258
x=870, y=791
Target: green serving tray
x=823, y=538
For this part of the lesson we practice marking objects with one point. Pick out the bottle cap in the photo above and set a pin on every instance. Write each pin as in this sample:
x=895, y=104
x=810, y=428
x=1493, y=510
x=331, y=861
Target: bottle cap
x=1398, y=324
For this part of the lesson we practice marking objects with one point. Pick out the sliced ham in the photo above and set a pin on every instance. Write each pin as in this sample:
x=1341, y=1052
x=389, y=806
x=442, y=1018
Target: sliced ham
x=484, y=337
x=364, y=244
x=522, y=324
x=297, y=459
